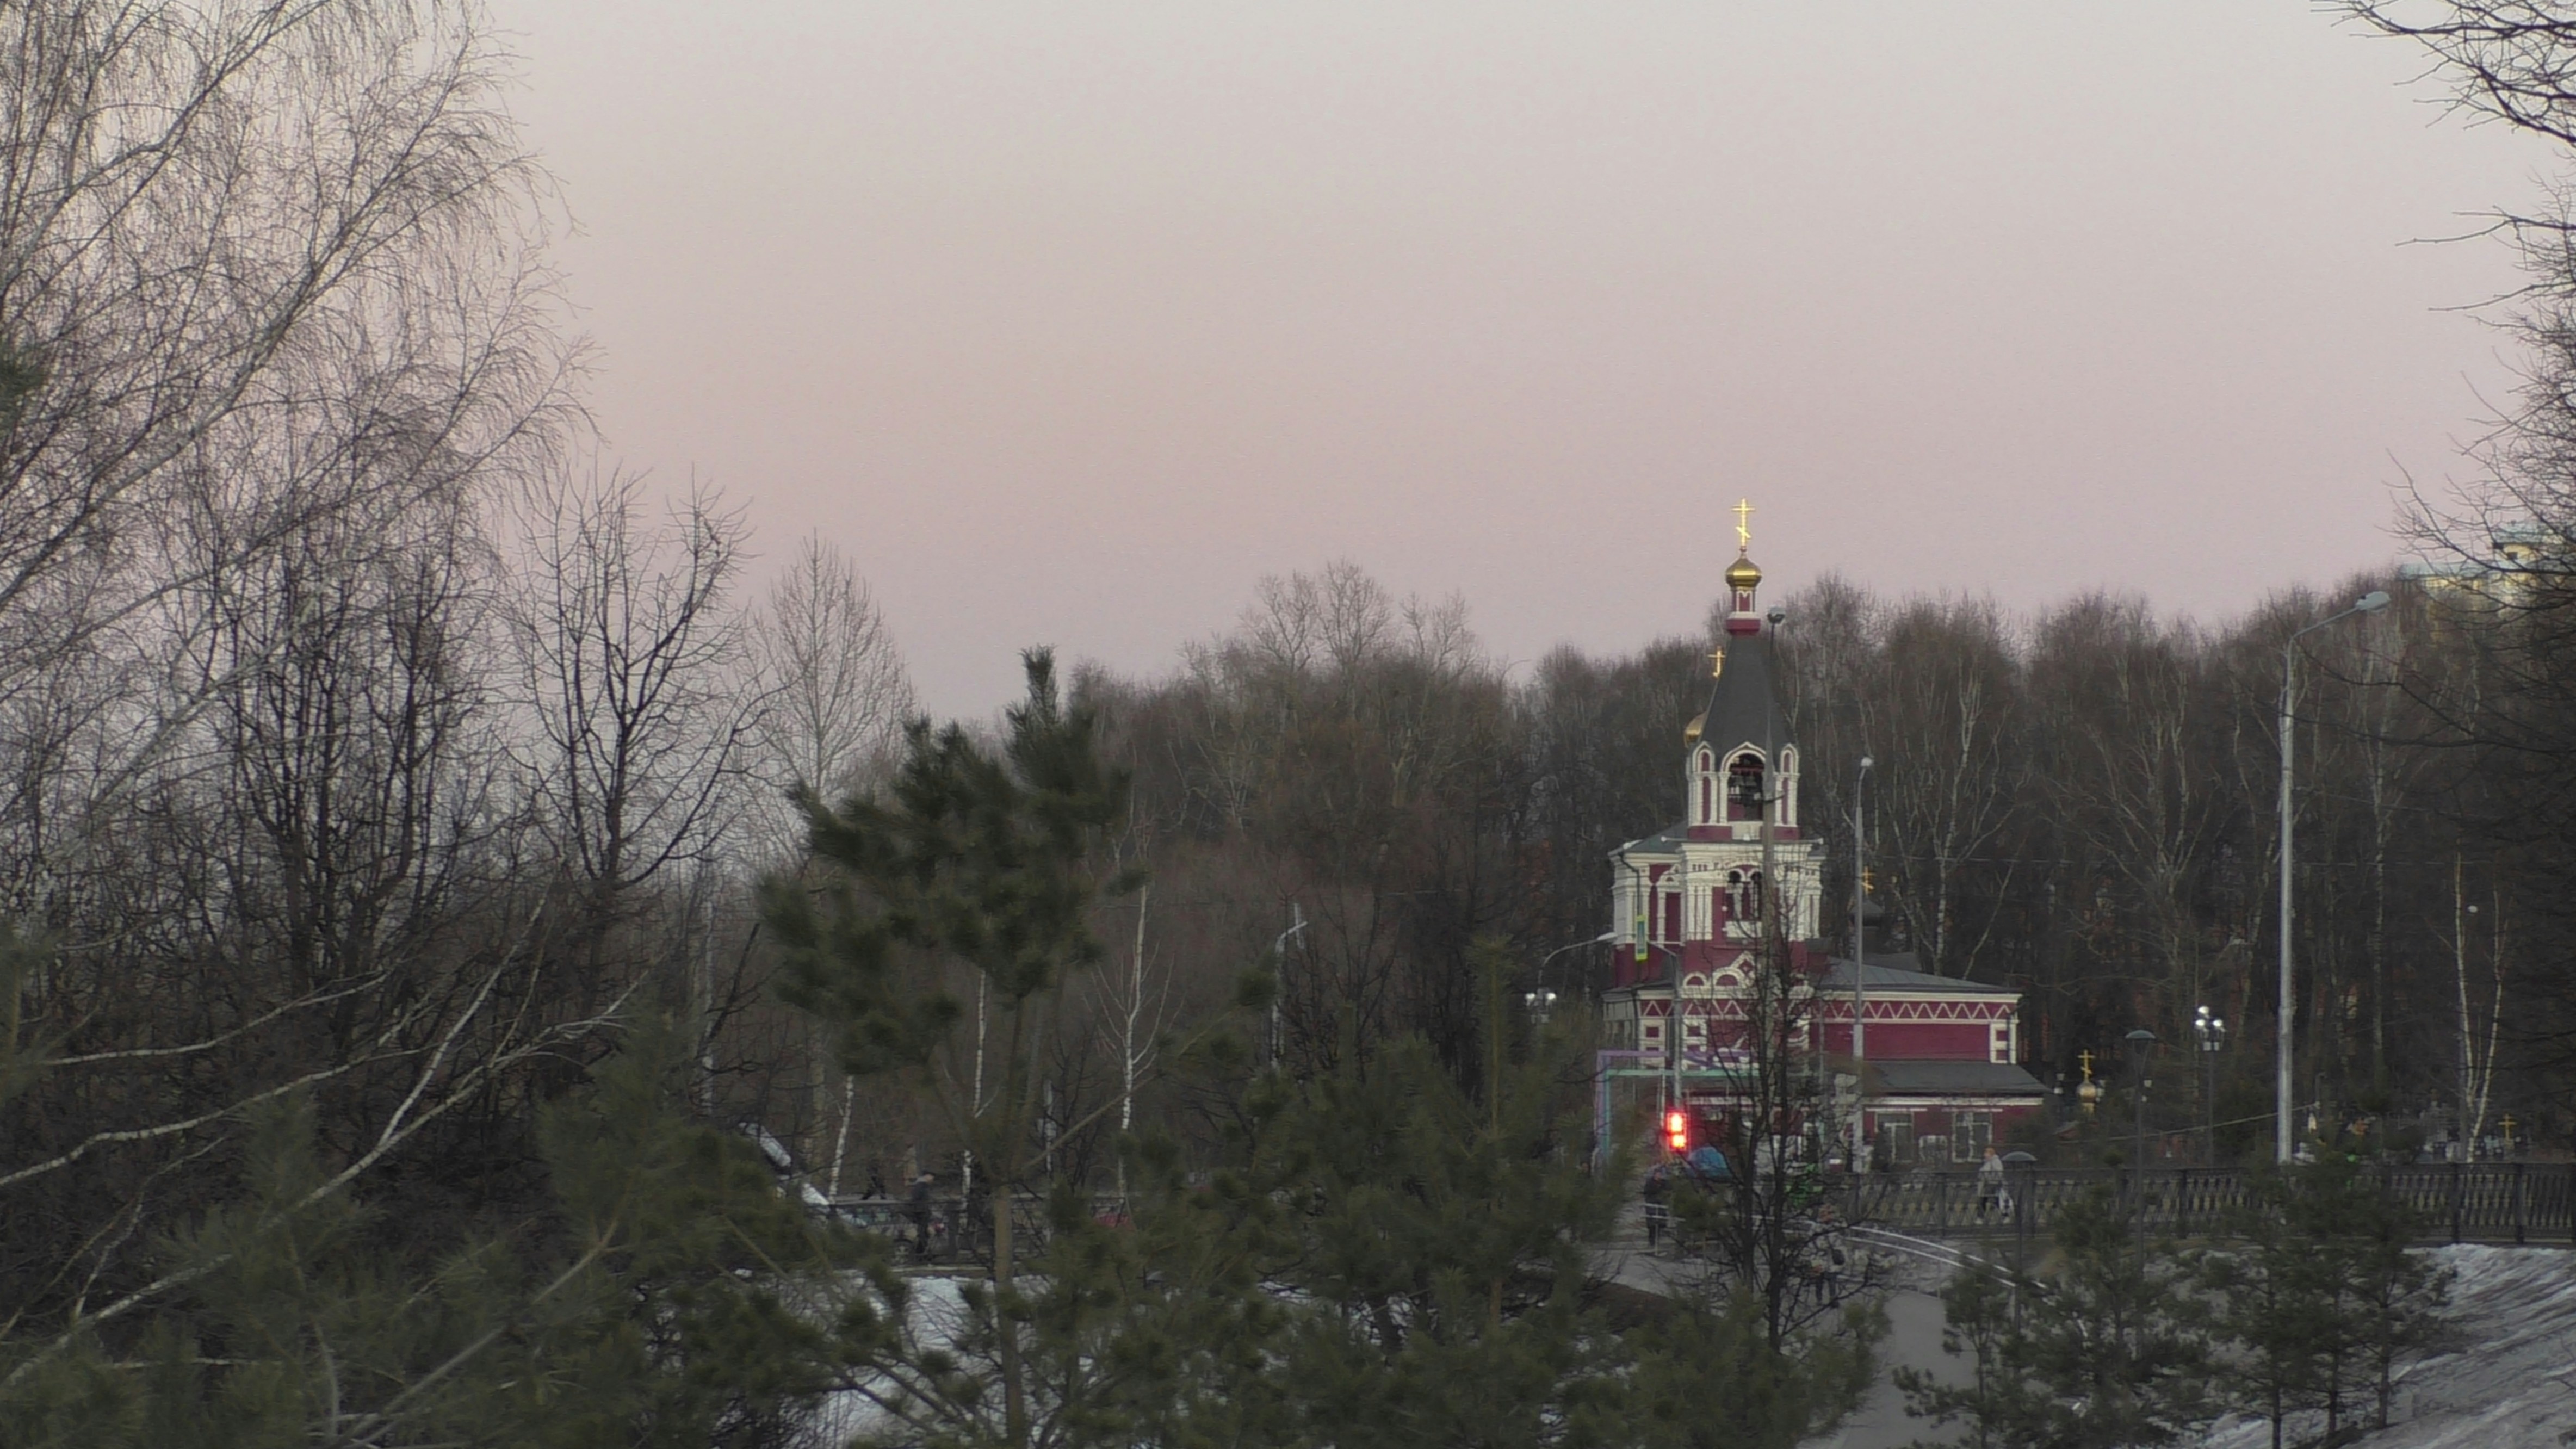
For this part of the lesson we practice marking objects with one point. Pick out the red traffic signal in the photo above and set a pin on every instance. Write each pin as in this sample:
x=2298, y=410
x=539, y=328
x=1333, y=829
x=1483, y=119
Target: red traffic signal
x=1677, y=1130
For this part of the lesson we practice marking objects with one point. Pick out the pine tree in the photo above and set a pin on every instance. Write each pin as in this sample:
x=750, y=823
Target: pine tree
x=1446, y=1249
x=2320, y=1296
x=986, y=863
x=2107, y=1353
x=641, y=1314
x=2398, y=1295
x=2275, y=1306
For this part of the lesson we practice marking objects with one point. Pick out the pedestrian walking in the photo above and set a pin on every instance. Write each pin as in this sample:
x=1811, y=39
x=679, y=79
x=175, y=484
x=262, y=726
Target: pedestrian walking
x=918, y=1209
x=1990, y=1184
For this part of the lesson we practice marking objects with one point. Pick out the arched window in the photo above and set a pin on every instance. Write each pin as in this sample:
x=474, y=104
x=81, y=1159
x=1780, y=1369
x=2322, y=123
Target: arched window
x=1744, y=787
x=1744, y=900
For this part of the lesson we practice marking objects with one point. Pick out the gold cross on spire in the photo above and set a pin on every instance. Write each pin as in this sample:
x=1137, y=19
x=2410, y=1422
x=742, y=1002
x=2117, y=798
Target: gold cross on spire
x=1716, y=663
x=1743, y=525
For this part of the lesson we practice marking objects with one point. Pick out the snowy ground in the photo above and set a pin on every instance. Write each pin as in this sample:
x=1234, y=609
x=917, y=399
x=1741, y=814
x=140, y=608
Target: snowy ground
x=2510, y=1383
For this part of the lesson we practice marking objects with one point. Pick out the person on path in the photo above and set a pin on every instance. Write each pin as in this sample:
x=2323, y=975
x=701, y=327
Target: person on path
x=1990, y=1183
x=919, y=1211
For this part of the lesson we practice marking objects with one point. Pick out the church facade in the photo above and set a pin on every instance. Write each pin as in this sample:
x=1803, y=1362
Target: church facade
x=1937, y=1077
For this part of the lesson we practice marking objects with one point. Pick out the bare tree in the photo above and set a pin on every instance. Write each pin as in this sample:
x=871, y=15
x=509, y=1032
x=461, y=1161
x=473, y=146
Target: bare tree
x=257, y=264
x=641, y=717
x=833, y=681
x=274, y=323
x=2514, y=60
x=2130, y=775
x=626, y=654
x=1941, y=703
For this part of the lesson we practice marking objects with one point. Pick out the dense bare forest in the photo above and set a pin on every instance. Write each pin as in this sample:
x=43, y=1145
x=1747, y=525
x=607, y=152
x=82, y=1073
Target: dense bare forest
x=2079, y=803
x=370, y=742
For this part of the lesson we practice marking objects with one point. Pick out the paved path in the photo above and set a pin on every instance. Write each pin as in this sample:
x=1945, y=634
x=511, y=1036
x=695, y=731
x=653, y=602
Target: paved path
x=1914, y=1340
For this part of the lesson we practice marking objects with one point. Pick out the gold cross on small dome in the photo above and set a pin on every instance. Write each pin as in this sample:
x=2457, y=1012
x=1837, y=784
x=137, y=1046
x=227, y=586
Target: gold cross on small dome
x=1716, y=663
x=1743, y=524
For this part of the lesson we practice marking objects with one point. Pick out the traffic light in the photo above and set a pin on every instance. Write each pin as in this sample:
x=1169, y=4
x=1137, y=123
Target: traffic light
x=1677, y=1130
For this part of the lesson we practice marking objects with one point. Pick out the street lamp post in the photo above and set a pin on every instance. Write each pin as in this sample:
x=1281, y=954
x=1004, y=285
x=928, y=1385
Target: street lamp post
x=2212, y=1034
x=2370, y=603
x=2141, y=1042
x=1860, y=971
x=1561, y=950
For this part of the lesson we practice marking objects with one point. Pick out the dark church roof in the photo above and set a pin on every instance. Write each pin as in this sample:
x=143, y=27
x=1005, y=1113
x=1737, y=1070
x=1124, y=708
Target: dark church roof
x=1951, y=1079
x=1838, y=977
x=1743, y=709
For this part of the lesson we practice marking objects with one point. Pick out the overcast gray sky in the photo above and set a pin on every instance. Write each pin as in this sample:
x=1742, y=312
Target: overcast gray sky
x=1069, y=321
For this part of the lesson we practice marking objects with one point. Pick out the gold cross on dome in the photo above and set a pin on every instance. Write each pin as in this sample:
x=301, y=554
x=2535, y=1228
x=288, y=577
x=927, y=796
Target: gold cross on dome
x=2086, y=1059
x=1716, y=663
x=1743, y=524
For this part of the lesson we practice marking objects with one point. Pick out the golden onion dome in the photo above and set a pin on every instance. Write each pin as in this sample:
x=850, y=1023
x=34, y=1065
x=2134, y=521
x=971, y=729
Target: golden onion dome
x=1691, y=731
x=1741, y=574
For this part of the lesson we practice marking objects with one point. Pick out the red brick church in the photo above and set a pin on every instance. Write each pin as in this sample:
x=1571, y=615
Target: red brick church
x=1938, y=1075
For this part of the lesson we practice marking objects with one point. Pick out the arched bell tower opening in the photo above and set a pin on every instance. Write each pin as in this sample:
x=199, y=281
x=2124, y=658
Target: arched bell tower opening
x=1744, y=787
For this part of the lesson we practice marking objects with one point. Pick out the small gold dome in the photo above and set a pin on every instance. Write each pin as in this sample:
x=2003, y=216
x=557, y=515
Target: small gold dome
x=1691, y=731
x=1741, y=574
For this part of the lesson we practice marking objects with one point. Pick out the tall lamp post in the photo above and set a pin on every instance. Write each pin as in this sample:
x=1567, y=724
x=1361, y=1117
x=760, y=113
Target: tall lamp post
x=1561, y=950
x=1540, y=1001
x=2142, y=1042
x=2369, y=603
x=1860, y=970
x=2212, y=1034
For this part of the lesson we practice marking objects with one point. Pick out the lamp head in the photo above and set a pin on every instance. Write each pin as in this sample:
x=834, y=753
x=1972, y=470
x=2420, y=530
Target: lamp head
x=1865, y=763
x=2372, y=602
x=1779, y=616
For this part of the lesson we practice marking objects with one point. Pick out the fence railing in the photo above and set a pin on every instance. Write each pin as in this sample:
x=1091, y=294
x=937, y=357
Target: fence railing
x=2483, y=1202
x=947, y=1229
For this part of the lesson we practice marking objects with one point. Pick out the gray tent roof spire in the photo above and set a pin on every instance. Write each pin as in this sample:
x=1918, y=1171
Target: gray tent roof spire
x=1743, y=708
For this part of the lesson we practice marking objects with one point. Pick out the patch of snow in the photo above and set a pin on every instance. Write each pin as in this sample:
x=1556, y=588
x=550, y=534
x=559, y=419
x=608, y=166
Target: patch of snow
x=938, y=1315
x=2510, y=1380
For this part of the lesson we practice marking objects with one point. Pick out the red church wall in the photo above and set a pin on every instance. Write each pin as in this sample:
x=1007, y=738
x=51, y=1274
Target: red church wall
x=1940, y=1041
x=1935, y=1041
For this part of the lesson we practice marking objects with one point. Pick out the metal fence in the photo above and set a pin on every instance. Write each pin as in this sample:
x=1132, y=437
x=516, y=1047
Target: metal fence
x=2485, y=1202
